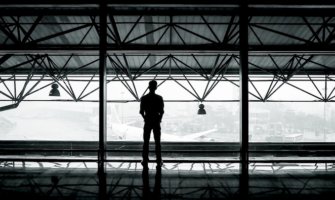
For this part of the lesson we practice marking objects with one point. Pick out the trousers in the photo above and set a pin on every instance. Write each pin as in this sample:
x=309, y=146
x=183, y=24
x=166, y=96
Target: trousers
x=156, y=127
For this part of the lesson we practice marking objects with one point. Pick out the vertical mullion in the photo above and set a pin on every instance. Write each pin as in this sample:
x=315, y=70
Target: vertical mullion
x=244, y=100
x=102, y=86
x=15, y=85
x=326, y=81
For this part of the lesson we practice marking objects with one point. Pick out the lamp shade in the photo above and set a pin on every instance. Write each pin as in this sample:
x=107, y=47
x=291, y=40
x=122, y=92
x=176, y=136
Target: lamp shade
x=201, y=110
x=54, y=92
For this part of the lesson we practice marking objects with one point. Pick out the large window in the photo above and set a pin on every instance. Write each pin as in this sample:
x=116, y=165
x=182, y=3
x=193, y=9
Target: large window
x=50, y=121
x=292, y=122
x=45, y=118
x=291, y=108
x=181, y=123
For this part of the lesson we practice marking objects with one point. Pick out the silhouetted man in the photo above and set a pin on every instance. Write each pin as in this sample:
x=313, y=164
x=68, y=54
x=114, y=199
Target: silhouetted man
x=152, y=110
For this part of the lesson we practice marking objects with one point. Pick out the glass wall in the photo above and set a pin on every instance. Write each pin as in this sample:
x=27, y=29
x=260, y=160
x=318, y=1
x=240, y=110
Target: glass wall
x=50, y=121
x=180, y=123
x=298, y=110
x=41, y=117
x=44, y=125
x=292, y=122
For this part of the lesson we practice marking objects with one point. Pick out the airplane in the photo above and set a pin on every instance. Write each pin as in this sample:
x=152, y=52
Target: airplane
x=125, y=132
x=85, y=127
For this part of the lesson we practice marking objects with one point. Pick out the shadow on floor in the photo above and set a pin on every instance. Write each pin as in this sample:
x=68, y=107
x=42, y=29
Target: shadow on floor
x=44, y=183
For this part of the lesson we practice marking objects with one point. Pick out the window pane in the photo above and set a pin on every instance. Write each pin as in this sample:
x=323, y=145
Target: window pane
x=292, y=122
x=180, y=122
x=51, y=121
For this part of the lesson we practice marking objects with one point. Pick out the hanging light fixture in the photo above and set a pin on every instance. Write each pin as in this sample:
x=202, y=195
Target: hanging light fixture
x=201, y=110
x=54, y=92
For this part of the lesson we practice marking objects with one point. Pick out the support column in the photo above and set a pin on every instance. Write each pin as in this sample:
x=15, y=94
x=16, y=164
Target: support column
x=244, y=100
x=102, y=86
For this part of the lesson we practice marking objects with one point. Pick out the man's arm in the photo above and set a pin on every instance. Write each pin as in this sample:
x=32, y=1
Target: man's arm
x=142, y=108
x=162, y=109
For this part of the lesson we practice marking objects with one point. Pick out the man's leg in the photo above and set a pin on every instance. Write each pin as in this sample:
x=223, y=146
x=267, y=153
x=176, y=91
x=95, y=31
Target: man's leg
x=146, y=139
x=157, y=137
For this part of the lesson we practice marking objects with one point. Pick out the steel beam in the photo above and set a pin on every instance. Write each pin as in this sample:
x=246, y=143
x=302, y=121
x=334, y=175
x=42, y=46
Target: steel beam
x=232, y=71
x=128, y=10
x=68, y=49
x=9, y=107
x=163, y=3
x=244, y=101
x=102, y=88
x=93, y=3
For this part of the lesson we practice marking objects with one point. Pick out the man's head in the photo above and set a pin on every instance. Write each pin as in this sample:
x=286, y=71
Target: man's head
x=152, y=85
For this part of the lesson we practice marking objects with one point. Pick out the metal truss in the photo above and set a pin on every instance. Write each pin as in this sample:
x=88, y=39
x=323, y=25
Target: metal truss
x=150, y=33
x=44, y=70
x=291, y=73
x=119, y=70
x=306, y=31
x=24, y=31
x=164, y=33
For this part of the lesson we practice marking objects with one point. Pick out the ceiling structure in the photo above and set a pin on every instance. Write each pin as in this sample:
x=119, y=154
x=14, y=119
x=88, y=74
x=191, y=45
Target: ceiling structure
x=58, y=41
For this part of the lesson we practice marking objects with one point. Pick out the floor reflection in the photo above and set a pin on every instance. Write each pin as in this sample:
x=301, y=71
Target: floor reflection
x=147, y=192
x=172, y=181
x=102, y=182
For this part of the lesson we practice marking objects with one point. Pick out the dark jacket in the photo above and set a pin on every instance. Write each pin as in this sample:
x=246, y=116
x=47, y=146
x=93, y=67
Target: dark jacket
x=152, y=108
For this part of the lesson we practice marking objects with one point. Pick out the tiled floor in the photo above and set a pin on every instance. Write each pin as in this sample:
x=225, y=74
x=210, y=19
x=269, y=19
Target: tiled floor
x=174, y=181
